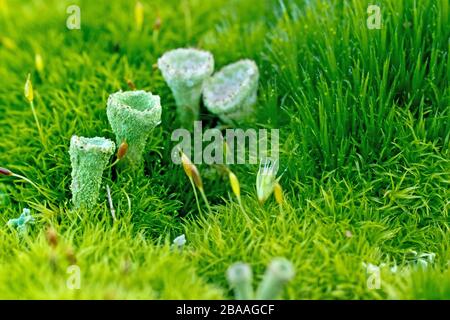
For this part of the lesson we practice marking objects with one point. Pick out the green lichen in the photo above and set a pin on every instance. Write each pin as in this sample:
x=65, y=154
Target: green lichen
x=239, y=276
x=278, y=273
x=231, y=93
x=89, y=158
x=22, y=222
x=133, y=115
x=179, y=242
x=185, y=71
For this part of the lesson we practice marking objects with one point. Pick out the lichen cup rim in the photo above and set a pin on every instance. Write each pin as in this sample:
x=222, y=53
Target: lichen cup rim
x=99, y=144
x=115, y=99
x=116, y=96
x=239, y=272
x=282, y=269
x=231, y=103
x=203, y=69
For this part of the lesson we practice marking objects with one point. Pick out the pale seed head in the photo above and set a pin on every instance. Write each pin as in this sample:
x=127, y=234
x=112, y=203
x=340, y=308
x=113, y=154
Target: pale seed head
x=191, y=171
x=139, y=15
x=266, y=179
x=278, y=193
x=28, y=90
x=5, y=172
x=157, y=24
x=131, y=84
x=187, y=164
x=39, y=62
x=71, y=257
x=52, y=237
x=196, y=177
x=235, y=184
x=122, y=150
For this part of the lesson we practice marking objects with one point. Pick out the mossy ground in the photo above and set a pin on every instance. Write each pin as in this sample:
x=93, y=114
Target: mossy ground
x=365, y=132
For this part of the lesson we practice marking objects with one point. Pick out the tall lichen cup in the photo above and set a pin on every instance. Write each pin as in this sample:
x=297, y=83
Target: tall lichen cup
x=89, y=158
x=133, y=115
x=185, y=71
x=231, y=93
x=278, y=273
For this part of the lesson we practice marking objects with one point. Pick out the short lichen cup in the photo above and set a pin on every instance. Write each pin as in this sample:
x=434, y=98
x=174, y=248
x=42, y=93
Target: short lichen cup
x=185, y=71
x=239, y=276
x=278, y=273
x=133, y=115
x=231, y=93
x=89, y=158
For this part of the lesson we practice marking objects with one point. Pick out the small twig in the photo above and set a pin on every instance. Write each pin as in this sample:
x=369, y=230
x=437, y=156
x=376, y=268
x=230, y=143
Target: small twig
x=111, y=206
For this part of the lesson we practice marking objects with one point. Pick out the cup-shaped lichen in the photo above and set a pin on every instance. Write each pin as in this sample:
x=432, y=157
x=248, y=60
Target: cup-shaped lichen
x=133, y=115
x=278, y=273
x=239, y=276
x=231, y=93
x=185, y=71
x=89, y=158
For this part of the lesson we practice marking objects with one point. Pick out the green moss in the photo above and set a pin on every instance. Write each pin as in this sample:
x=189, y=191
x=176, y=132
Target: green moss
x=4, y=197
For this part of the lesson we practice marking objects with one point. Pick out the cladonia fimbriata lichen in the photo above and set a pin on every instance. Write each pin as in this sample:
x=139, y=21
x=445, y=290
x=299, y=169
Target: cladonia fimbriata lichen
x=133, y=115
x=185, y=71
x=278, y=273
x=231, y=93
x=179, y=242
x=89, y=158
x=239, y=276
x=22, y=222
